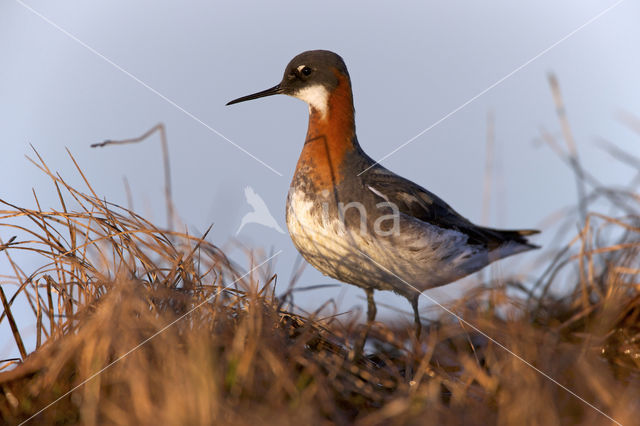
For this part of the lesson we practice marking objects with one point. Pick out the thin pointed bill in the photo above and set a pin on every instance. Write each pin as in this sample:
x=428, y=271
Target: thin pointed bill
x=275, y=90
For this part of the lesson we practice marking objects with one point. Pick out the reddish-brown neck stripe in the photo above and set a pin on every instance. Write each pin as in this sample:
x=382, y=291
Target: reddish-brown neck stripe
x=330, y=138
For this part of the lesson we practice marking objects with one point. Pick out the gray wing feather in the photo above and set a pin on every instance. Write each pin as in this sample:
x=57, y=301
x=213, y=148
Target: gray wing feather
x=413, y=200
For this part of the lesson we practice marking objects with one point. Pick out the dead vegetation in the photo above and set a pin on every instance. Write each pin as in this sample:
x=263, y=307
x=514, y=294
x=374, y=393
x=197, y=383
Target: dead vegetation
x=139, y=325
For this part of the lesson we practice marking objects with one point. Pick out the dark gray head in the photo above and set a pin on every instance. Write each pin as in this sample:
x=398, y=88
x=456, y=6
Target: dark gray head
x=310, y=76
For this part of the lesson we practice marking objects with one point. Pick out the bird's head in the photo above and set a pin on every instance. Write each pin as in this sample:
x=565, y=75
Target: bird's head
x=311, y=76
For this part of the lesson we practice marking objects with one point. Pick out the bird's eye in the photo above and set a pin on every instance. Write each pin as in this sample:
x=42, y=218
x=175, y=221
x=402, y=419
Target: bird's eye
x=304, y=70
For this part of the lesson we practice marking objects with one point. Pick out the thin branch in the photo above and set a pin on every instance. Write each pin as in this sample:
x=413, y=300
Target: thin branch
x=165, y=157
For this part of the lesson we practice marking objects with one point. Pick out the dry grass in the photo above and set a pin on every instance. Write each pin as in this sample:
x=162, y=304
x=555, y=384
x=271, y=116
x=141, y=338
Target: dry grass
x=179, y=335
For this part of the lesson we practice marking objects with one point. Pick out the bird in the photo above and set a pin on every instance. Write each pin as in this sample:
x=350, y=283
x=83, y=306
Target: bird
x=260, y=213
x=358, y=222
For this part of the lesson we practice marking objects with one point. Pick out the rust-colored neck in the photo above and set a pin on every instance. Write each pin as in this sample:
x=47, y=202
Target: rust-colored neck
x=330, y=137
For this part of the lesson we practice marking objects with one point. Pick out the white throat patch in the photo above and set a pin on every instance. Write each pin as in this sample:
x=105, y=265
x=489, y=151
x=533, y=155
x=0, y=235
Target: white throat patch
x=316, y=96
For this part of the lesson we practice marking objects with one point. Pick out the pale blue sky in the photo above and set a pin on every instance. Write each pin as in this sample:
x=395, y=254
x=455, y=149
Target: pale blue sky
x=411, y=63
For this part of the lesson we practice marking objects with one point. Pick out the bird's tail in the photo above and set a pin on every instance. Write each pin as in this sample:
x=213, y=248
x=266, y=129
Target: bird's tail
x=519, y=236
x=510, y=242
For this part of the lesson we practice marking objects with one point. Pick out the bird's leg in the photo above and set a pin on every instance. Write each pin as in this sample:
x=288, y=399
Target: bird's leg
x=371, y=307
x=358, y=349
x=416, y=315
x=418, y=347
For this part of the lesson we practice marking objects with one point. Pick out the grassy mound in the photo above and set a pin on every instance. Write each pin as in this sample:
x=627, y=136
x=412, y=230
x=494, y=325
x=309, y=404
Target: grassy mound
x=138, y=325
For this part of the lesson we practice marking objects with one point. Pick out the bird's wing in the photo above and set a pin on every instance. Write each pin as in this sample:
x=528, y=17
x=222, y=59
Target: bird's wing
x=413, y=200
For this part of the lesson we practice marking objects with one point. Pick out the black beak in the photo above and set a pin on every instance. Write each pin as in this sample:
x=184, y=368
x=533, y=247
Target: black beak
x=275, y=90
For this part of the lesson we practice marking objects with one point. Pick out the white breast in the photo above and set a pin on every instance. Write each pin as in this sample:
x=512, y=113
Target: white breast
x=311, y=228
